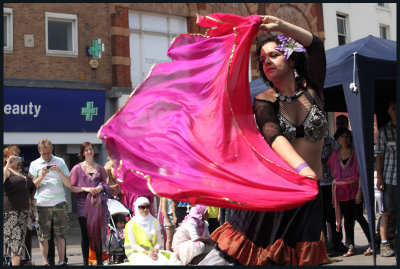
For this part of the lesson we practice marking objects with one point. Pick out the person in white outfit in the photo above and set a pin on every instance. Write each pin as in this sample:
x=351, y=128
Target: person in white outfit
x=192, y=238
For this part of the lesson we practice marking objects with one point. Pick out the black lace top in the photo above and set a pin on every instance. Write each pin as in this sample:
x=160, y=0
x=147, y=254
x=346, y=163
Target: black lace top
x=302, y=117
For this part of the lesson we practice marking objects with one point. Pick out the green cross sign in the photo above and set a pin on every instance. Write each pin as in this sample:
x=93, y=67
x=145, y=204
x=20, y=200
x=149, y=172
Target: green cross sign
x=89, y=111
x=96, y=49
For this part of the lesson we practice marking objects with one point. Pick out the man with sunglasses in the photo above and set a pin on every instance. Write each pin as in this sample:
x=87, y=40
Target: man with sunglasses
x=386, y=172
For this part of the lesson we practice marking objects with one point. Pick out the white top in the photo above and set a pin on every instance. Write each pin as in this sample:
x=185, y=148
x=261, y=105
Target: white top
x=51, y=190
x=132, y=238
x=191, y=225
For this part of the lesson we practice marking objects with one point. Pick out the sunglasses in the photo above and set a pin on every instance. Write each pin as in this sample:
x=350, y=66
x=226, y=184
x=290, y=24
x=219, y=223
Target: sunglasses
x=143, y=207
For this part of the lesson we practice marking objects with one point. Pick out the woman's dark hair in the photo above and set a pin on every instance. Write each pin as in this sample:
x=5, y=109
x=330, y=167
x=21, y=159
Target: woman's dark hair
x=340, y=131
x=299, y=58
x=82, y=150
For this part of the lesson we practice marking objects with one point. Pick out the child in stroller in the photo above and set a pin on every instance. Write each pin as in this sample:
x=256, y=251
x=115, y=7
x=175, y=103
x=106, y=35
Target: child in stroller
x=115, y=243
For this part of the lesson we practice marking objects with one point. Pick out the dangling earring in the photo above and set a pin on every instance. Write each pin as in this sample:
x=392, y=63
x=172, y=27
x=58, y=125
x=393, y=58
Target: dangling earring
x=296, y=75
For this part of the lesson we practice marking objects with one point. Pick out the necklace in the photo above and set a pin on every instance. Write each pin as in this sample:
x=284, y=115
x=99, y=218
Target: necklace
x=288, y=99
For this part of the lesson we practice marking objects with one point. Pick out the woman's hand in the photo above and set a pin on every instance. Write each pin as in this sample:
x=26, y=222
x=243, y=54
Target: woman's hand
x=270, y=23
x=10, y=160
x=98, y=189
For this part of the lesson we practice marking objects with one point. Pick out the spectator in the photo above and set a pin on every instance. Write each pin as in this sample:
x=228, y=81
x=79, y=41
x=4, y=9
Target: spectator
x=214, y=216
x=386, y=162
x=192, y=237
x=88, y=180
x=50, y=175
x=182, y=209
x=119, y=237
x=347, y=192
x=143, y=237
x=169, y=215
x=17, y=191
x=334, y=237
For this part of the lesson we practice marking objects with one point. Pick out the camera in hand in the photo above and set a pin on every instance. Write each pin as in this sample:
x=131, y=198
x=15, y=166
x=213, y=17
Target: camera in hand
x=49, y=166
x=18, y=159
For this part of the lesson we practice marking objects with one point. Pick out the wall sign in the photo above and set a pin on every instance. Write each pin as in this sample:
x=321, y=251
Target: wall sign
x=53, y=110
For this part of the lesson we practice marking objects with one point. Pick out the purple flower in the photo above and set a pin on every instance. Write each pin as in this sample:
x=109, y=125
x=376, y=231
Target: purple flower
x=288, y=46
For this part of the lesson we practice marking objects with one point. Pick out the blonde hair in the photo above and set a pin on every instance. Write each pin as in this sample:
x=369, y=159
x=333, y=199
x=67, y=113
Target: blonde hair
x=45, y=143
x=8, y=151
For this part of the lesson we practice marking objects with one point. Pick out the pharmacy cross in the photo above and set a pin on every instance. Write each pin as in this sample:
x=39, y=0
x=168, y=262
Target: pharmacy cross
x=89, y=111
x=96, y=48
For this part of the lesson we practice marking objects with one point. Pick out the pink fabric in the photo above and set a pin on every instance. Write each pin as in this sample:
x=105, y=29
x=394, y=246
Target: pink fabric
x=188, y=131
x=196, y=213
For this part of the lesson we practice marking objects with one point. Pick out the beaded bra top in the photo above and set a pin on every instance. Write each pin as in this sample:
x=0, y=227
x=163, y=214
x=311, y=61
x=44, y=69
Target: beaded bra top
x=314, y=127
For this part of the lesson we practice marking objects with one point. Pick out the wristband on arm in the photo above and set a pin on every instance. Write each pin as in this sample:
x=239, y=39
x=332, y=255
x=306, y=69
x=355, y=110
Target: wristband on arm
x=301, y=167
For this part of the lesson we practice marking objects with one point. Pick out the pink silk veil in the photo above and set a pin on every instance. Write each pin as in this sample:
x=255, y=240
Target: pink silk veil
x=188, y=131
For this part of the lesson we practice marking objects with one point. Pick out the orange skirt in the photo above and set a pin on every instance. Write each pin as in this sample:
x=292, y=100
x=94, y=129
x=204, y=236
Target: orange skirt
x=92, y=256
x=237, y=246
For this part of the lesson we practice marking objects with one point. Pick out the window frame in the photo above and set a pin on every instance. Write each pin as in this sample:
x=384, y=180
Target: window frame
x=8, y=12
x=63, y=18
x=344, y=18
x=386, y=27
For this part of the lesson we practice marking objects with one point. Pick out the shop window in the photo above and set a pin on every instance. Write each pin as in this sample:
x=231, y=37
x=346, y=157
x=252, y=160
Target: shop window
x=61, y=34
x=7, y=30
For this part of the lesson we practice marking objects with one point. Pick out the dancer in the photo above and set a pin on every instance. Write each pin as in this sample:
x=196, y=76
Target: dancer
x=204, y=147
x=291, y=119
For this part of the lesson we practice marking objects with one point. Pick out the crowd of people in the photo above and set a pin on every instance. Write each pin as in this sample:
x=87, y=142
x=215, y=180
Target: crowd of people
x=187, y=238
x=290, y=117
x=42, y=190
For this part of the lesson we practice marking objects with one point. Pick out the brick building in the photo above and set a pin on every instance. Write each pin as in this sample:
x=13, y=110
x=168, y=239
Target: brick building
x=50, y=90
x=148, y=29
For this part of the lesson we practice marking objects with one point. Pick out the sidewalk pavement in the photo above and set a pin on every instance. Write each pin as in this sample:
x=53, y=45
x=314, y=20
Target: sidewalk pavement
x=74, y=252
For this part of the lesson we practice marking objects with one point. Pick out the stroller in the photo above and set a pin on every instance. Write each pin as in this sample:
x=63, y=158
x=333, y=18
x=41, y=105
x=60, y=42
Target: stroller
x=115, y=245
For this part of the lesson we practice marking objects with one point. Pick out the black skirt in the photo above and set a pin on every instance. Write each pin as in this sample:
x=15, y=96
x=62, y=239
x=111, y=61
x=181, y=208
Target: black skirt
x=292, y=237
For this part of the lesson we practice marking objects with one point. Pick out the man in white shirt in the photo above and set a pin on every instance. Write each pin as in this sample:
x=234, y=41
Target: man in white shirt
x=50, y=175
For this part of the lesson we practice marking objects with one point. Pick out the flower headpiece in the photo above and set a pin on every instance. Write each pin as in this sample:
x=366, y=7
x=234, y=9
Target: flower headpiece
x=289, y=45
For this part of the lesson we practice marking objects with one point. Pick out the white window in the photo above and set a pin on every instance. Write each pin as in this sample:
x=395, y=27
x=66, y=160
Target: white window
x=151, y=35
x=61, y=34
x=7, y=30
x=342, y=29
x=384, y=31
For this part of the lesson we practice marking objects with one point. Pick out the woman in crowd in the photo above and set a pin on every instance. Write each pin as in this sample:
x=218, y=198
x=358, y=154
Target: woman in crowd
x=290, y=117
x=88, y=180
x=143, y=237
x=347, y=192
x=192, y=237
x=17, y=192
